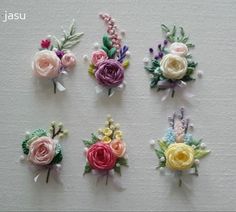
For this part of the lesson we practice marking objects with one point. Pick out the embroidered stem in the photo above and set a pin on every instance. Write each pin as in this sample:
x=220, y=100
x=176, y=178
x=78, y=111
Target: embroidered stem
x=54, y=86
x=173, y=93
x=48, y=175
x=54, y=134
x=109, y=91
x=180, y=182
x=107, y=178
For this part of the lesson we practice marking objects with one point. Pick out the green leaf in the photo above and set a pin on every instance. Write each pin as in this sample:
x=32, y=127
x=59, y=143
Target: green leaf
x=91, y=69
x=190, y=71
x=117, y=169
x=153, y=82
x=185, y=39
x=105, y=49
x=173, y=31
x=111, y=52
x=163, y=145
x=25, y=147
x=159, y=153
x=107, y=42
x=87, y=169
x=165, y=28
x=72, y=28
x=38, y=133
x=182, y=31
x=94, y=138
x=58, y=155
x=88, y=143
x=125, y=64
x=200, y=153
x=190, y=45
x=122, y=161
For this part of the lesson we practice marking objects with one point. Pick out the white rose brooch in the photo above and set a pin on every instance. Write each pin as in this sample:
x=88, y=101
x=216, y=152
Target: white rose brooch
x=171, y=65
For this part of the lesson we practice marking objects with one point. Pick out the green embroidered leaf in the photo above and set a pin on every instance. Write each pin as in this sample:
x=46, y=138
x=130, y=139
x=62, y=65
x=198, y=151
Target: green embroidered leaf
x=91, y=69
x=117, y=169
x=153, y=82
x=107, y=42
x=165, y=28
x=111, y=52
x=58, y=155
x=94, y=138
x=72, y=28
x=159, y=153
x=185, y=39
x=87, y=169
x=190, y=71
x=125, y=64
x=200, y=153
x=88, y=143
x=163, y=145
x=190, y=45
x=25, y=147
x=38, y=133
x=122, y=161
x=173, y=31
x=182, y=31
x=105, y=49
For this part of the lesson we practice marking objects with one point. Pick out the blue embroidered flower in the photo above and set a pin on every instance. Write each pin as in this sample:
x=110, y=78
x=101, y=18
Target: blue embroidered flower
x=188, y=138
x=169, y=136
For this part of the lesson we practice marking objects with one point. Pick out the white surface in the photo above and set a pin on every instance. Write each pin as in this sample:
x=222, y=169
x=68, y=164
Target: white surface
x=26, y=105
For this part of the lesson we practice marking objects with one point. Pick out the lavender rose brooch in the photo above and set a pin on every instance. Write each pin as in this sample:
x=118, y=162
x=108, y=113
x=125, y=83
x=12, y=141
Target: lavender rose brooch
x=171, y=65
x=108, y=63
x=42, y=150
x=55, y=59
x=178, y=152
x=106, y=152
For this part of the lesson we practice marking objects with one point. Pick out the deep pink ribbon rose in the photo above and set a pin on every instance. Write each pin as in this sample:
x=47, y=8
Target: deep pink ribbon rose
x=98, y=56
x=101, y=157
x=41, y=151
x=68, y=60
x=109, y=73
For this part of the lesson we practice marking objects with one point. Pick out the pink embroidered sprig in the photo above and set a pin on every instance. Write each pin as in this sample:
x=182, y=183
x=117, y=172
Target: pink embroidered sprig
x=55, y=58
x=42, y=150
x=109, y=62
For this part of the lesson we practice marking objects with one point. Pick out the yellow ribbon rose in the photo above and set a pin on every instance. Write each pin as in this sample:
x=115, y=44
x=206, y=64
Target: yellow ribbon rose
x=107, y=131
x=179, y=156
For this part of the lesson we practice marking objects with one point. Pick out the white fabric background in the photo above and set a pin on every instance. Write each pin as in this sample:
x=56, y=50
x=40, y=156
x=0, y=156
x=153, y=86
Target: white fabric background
x=27, y=104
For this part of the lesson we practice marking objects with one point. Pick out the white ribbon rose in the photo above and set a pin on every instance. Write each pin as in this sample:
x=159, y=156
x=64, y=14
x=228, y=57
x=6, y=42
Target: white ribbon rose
x=173, y=66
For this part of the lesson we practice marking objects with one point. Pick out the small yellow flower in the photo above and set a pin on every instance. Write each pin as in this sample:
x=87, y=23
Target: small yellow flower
x=118, y=134
x=106, y=139
x=179, y=156
x=107, y=131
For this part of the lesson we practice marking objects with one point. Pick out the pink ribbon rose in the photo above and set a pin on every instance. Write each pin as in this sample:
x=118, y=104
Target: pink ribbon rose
x=68, y=60
x=101, y=157
x=41, y=151
x=46, y=64
x=98, y=56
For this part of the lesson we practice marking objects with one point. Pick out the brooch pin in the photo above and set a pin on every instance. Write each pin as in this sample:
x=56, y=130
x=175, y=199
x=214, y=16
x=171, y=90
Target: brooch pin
x=55, y=58
x=42, y=151
x=108, y=63
x=178, y=151
x=171, y=65
x=106, y=153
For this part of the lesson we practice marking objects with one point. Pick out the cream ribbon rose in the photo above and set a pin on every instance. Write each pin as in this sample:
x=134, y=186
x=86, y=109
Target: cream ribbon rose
x=46, y=64
x=179, y=156
x=178, y=49
x=173, y=66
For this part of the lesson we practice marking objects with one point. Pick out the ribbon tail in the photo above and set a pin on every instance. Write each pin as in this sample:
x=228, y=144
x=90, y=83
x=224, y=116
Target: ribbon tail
x=117, y=183
x=98, y=89
x=56, y=174
x=166, y=94
x=60, y=87
x=36, y=177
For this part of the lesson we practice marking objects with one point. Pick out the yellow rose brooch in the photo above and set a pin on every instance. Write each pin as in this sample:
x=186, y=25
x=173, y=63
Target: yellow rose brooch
x=105, y=153
x=170, y=64
x=178, y=151
x=54, y=58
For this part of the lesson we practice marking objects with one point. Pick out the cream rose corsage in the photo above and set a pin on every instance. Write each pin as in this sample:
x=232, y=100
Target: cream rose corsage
x=178, y=151
x=42, y=150
x=171, y=66
x=55, y=58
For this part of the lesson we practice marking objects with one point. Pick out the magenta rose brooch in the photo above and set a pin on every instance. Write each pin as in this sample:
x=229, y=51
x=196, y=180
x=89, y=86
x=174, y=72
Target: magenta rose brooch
x=108, y=62
x=106, y=152
x=178, y=152
x=170, y=64
x=55, y=59
x=42, y=150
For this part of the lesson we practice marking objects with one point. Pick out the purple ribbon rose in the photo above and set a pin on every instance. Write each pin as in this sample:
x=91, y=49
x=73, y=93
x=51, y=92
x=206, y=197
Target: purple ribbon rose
x=109, y=73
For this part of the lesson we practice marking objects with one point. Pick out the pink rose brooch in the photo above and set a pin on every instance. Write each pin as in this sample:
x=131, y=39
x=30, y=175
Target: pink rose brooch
x=170, y=64
x=106, y=152
x=108, y=63
x=55, y=58
x=42, y=150
x=178, y=152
